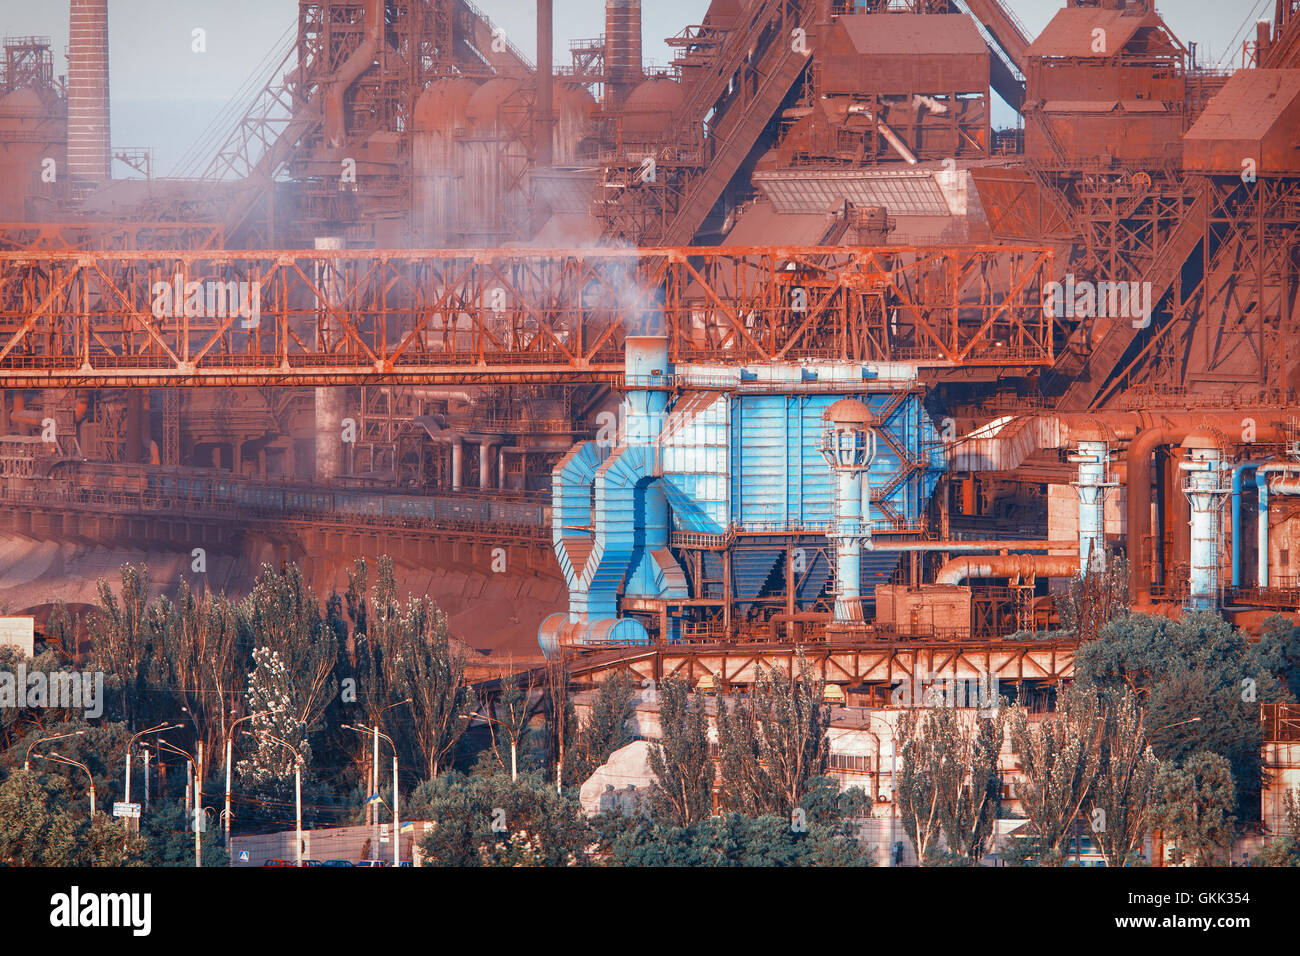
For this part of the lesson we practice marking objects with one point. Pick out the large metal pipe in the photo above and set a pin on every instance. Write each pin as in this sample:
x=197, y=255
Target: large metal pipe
x=1022, y=566
x=877, y=543
x=1138, y=518
x=1262, y=484
x=1238, y=473
x=350, y=71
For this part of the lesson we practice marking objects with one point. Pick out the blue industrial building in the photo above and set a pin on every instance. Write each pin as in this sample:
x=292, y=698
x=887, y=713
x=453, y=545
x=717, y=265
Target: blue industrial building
x=713, y=507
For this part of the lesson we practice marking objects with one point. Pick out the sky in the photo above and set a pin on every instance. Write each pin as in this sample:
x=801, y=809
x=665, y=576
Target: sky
x=165, y=94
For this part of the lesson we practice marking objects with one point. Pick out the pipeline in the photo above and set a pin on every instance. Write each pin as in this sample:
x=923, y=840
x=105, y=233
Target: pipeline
x=1021, y=566
x=1284, y=468
x=351, y=70
x=1238, y=471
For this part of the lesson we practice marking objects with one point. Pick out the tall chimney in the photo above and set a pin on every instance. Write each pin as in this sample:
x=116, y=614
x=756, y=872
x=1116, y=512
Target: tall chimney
x=622, y=50
x=88, y=142
x=545, y=117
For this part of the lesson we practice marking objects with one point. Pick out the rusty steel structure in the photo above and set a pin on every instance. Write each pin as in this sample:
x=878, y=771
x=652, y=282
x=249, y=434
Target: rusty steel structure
x=413, y=225
x=497, y=316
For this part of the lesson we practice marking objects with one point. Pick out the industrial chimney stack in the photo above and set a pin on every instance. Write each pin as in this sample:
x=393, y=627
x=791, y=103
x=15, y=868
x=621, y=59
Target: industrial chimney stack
x=88, y=142
x=623, y=71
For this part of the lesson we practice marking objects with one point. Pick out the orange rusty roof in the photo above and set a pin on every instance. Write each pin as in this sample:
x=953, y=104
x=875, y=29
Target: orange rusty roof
x=1070, y=32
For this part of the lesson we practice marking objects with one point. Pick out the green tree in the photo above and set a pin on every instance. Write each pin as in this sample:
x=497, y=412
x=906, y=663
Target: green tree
x=1284, y=850
x=948, y=785
x=1119, y=803
x=1059, y=757
x=731, y=839
x=681, y=792
x=605, y=728
x=972, y=795
x=1199, y=683
x=1278, y=652
x=1195, y=807
x=123, y=639
x=425, y=667
x=202, y=664
x=494, y=821
x=36, y=827
x=773, y=743
x=1095, y=599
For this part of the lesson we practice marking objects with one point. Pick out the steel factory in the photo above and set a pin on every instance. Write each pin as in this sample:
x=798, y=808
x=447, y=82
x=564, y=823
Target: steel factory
x=673, y=369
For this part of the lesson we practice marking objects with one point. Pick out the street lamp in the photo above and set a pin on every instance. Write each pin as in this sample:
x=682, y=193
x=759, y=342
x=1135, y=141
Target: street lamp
x=374, y=772
x=397, y=822
x=230, y=739
x=59, y=758
x=198, y=792
x=1177, y=723
x=297, y=786
x=514, y=775
x=161, y=728
x=27, y=760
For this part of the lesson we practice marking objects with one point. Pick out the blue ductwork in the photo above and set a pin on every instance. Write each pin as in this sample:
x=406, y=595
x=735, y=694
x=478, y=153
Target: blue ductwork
x=1238, y=471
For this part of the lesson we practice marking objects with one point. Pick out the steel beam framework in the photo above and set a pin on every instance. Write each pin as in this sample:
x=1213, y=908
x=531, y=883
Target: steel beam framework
x=105, y=319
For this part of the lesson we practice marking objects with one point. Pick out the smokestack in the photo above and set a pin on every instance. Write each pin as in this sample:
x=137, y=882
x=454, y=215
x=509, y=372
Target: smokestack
x=545, y=119
x=623, y=69
x=88, y=142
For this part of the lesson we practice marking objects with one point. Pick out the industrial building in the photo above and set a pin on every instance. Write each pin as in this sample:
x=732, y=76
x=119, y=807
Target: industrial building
x=675, y=368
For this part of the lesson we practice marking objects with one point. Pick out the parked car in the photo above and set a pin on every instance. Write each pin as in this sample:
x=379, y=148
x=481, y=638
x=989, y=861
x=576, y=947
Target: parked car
x=375, y=863
x=279, y=863
x=338, y=863
x=313, y=863
x=406, y=863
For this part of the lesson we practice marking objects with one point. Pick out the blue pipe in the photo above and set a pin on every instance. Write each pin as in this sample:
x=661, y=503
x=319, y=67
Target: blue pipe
x=1237, y=471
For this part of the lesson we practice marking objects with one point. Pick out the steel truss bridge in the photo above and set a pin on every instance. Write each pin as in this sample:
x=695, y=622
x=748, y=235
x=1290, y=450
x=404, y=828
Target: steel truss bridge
x=75, y=319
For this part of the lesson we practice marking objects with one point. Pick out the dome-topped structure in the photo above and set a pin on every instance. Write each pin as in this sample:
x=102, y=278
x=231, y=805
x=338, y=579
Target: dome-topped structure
x=849, y=411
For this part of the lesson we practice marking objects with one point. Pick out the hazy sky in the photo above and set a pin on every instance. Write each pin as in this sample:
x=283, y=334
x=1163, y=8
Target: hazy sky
x=164, y=94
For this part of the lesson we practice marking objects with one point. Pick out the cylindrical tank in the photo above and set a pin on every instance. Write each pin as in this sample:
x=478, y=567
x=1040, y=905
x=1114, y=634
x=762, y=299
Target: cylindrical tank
x=88, y=132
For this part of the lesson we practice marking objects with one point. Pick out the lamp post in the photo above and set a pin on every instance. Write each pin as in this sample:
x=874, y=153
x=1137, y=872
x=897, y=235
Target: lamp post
x=198, y=793
x=230, y=740
x=27, y=759
x=59, y=758
x=397, y=820
x=374, y=773
x=297, y=788
x=161, y=728
x=514, y=774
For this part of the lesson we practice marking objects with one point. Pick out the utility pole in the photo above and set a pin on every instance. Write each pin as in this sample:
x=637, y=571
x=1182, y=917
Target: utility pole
x=198, y=808
x=374, y=779
x=397, y=820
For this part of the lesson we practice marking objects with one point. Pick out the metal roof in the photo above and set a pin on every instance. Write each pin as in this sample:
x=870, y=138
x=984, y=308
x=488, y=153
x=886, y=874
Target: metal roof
x=913, y=34
x=1070, y=32
x=1248, y=106
x=902, y=192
